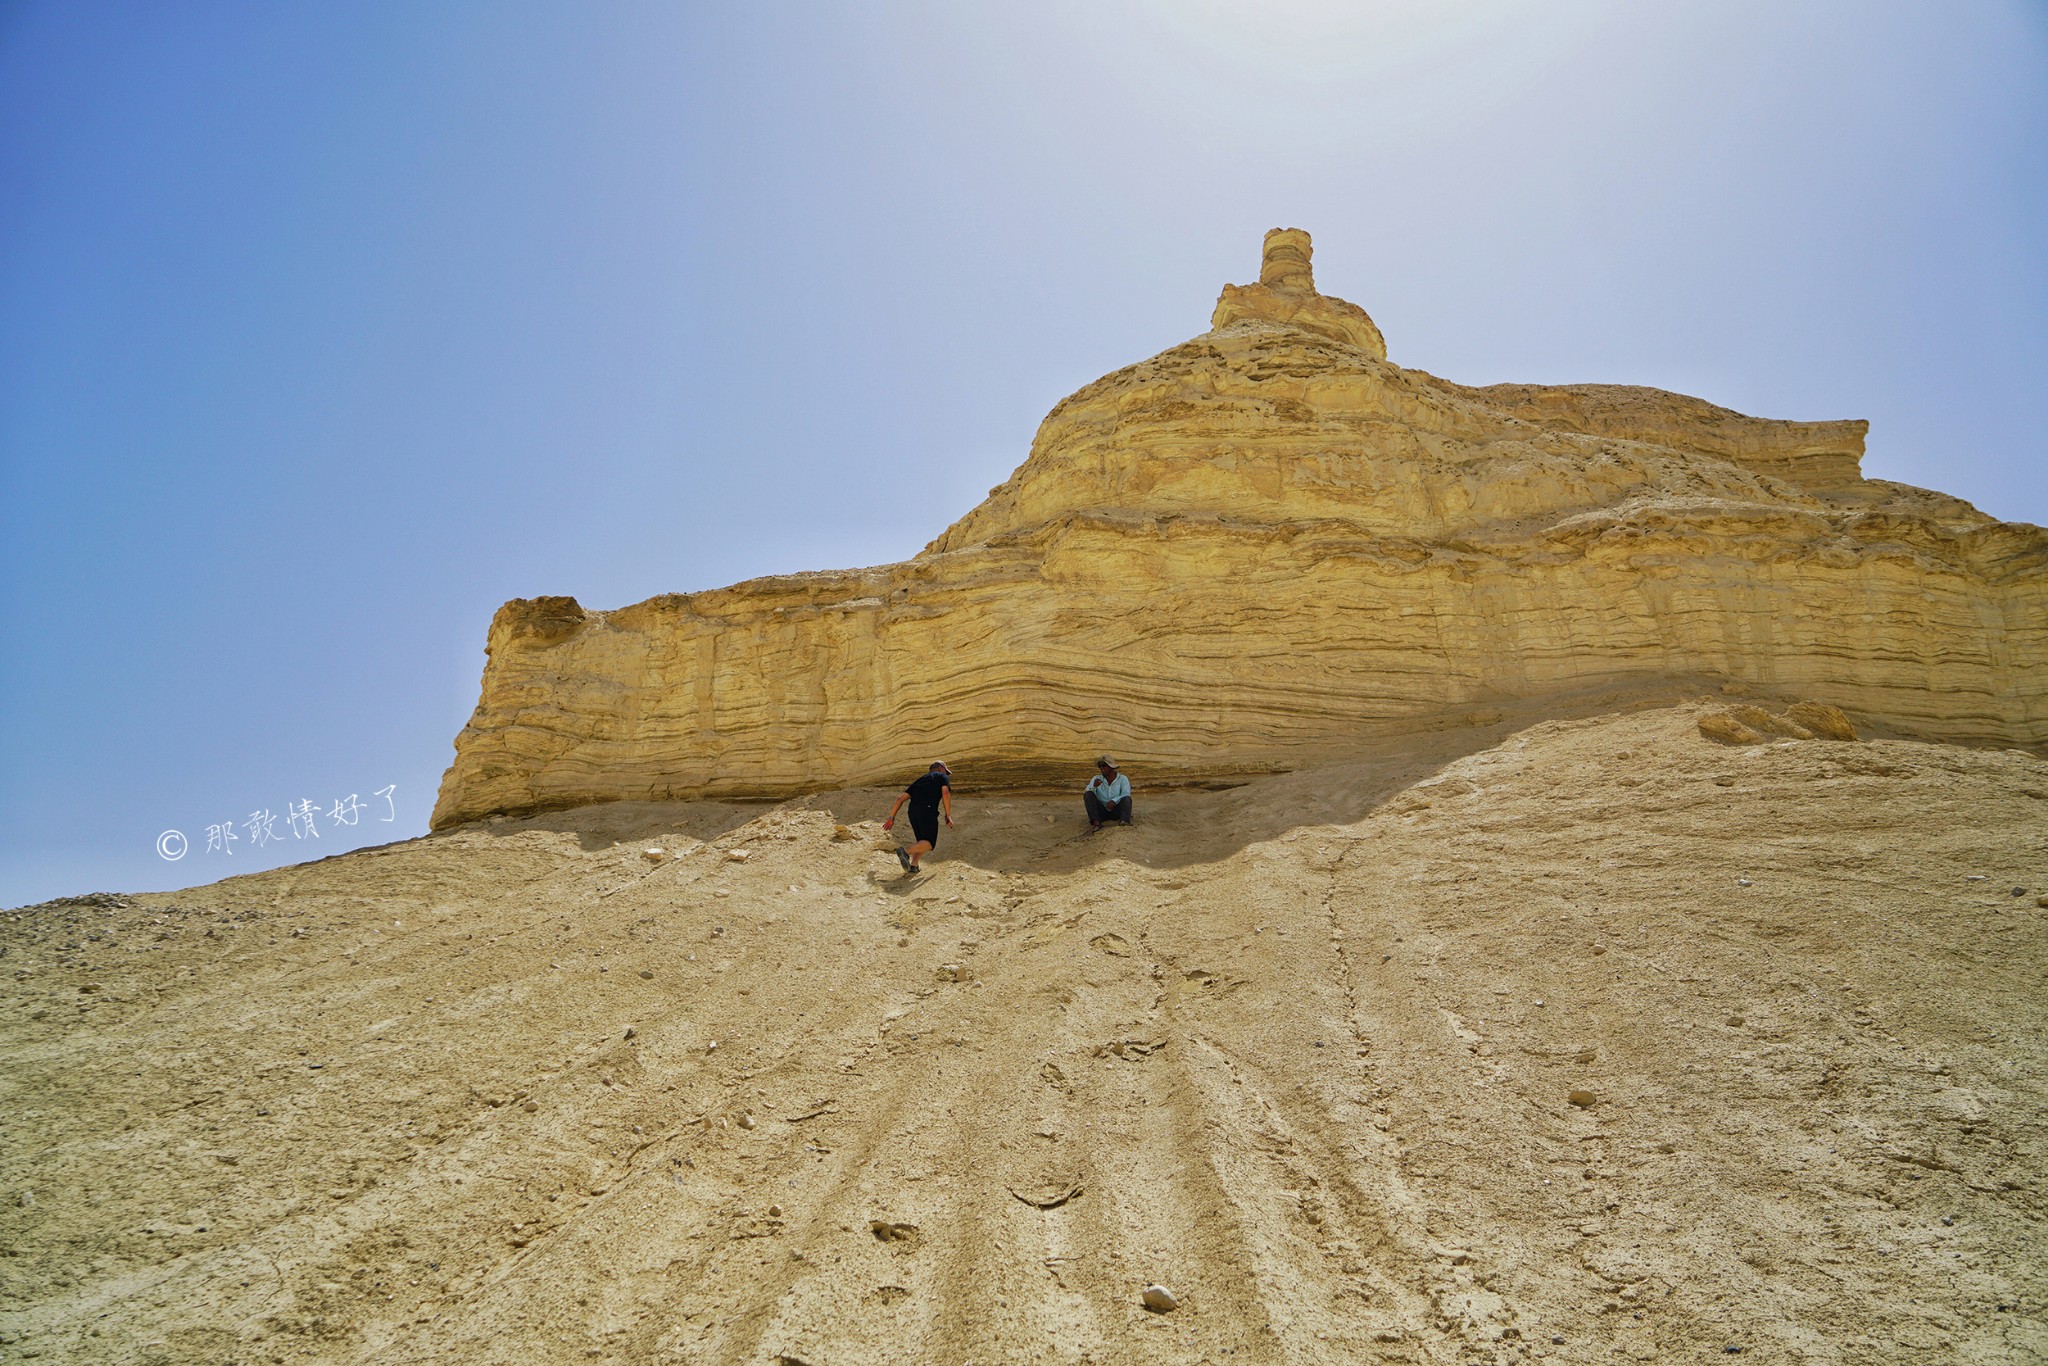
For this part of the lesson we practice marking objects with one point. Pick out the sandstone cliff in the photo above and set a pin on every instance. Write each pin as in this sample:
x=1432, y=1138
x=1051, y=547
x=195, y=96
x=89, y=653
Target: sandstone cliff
x=1267, y=546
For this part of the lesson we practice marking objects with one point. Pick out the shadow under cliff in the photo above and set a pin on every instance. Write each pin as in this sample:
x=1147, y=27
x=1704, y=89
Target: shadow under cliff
x=1033, y=830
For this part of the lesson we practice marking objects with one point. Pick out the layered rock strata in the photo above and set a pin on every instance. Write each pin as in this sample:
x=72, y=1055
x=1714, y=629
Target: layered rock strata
x=1263, y=548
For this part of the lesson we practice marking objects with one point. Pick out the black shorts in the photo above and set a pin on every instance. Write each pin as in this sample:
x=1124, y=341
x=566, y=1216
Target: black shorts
x=925, y=825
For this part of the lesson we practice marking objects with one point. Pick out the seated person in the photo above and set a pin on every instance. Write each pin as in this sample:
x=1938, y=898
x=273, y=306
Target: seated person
x=1108, y=795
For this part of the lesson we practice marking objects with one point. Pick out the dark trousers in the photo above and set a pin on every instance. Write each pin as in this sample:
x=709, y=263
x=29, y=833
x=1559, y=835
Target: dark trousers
x=1098, y=813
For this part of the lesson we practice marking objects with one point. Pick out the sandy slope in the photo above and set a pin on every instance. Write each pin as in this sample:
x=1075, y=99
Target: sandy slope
x=1300, y=1050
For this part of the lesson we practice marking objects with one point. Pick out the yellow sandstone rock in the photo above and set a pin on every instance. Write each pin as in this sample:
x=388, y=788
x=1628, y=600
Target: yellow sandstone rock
x=1824, y=721
x=1756, y=718
x=1270, y=546
x=1725, y=729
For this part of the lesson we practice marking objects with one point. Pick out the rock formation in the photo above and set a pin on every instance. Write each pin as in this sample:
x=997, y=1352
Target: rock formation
x=1267, y=546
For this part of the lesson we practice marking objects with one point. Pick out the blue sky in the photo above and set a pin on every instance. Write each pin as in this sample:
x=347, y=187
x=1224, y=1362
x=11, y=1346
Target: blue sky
x=326, y=329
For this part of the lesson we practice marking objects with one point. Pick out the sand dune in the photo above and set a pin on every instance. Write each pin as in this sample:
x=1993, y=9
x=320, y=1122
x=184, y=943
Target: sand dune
x=1301, y=1051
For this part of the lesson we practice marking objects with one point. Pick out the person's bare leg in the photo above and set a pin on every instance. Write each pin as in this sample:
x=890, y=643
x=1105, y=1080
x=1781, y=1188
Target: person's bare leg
x=918, y=851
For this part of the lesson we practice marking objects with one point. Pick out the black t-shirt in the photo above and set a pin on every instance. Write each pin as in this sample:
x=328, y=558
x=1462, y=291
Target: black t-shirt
x=924, y=793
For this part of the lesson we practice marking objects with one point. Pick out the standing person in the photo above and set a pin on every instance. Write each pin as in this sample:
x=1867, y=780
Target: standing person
x=928, y=796
x=1107, y=796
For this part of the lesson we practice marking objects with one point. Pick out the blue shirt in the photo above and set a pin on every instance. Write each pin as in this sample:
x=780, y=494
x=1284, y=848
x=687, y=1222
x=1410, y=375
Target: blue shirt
x=1110, y=793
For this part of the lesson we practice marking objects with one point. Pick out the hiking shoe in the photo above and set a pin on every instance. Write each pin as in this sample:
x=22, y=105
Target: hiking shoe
x=904, y=859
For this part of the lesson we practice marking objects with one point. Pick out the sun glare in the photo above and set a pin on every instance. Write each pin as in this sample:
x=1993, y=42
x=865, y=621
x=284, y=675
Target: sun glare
x=1323, y=39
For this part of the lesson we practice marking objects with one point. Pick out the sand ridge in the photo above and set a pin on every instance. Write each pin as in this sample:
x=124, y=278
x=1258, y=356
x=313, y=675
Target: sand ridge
x=1300, y=1050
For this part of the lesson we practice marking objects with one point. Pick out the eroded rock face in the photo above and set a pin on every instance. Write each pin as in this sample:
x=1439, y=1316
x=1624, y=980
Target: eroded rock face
x=1263, y=548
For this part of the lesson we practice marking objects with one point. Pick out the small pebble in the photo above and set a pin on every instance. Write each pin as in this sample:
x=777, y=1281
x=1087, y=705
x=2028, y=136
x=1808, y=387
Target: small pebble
x=1582, y=1099
x=775, y=1211
x=632, y=1033
x=746, y=1121
x=646, y=976
x=531, y=1107
x=1159, y=1299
